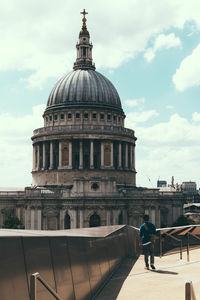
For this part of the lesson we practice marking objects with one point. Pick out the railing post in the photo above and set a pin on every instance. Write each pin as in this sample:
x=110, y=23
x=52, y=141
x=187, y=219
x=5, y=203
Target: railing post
x=188, y=247
x=160, y=240
x=188, y=290
x=33, y=286
x=181, y=256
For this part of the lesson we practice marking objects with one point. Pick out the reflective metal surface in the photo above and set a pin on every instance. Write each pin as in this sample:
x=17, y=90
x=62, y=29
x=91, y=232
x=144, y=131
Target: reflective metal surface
x=74, y=263
x=13, y=281
x=38, y=259
x=62, y=267
x=79, y=268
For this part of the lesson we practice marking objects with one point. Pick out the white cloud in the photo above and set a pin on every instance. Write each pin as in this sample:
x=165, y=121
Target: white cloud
x=170, y=107
x=196, y=117
x=134, y=102
x=188, y=73
x=133, y=118
x=162, y=41
x=166, y=149
x=16, y=148
x=40, y=36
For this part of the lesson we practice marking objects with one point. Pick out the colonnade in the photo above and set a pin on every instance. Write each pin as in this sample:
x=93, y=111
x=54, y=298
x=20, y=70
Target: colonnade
x=68, y=155
x=54, y=220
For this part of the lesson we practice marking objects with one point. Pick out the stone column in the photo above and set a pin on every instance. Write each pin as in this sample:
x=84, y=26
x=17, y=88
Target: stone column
x=27, y=218
x=34, y=153
x=120, y=156
x=81, y=155
x=39, y=215
x=70, y=155
x=153, y=215
x=51, y=156
x=115, y=217
x=111, y=153
x=81, y=219
x=73, y=214
x=102, y=154
x=126, y=156
x=18, y=212
x=32, y=218
x=60, y=155
x=133, y=157
x=37, y=157
x=157, y=223
x=108, y=218
x=62, y=219
x=91, y=154
x=43, y=156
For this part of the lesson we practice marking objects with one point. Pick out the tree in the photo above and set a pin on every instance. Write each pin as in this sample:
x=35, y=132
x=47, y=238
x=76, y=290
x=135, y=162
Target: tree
x=12, y=222
x=182, y=221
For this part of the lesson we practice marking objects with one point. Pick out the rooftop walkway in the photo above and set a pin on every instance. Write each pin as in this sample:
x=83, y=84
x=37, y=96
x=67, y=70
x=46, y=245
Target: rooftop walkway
x=167, y=282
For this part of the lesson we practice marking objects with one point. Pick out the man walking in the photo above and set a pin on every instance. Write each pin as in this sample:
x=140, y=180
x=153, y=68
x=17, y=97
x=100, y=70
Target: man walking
x=146, y=230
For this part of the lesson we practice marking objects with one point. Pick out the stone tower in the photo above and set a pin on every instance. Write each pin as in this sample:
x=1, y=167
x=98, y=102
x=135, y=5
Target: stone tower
x=84, y=143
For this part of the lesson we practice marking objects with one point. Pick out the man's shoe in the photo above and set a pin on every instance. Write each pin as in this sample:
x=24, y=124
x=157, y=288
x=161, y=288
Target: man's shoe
x=147, y=268
x=153, y=267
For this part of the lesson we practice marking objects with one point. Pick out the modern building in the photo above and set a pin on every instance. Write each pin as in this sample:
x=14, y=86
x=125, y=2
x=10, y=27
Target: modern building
x=84, y=159
x=189, y=187
x=161, y=183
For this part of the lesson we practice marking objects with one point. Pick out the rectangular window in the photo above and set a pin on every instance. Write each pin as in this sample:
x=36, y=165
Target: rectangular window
x=50, y=118
x=94, y=116
x=119, y=119
x=62, y=116
x=84, y=51
x=109, y=117
x=46, y=119
x=114, y=118
x=102, y=116
x=69, y=116
x=56, y=117
x=77, y=116
x=85, y=115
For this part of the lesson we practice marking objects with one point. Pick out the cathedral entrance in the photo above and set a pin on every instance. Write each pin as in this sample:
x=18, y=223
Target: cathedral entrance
x=95, y=220
x=67, y=221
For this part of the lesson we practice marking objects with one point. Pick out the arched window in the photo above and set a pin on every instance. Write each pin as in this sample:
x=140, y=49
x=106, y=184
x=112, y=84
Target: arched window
x=67, y=221
x=95, y=220
x=120, y=218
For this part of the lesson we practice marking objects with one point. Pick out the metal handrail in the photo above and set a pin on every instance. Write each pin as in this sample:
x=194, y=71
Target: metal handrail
x=189, y=291
x=33, y=287
x=188, y=243
x=172, y=237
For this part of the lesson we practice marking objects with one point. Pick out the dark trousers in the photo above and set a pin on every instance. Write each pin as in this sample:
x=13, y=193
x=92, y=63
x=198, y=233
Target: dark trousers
x=148, y=251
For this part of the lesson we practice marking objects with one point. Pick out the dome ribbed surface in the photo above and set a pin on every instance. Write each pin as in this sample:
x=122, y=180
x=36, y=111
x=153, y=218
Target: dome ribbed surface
x=84, y=88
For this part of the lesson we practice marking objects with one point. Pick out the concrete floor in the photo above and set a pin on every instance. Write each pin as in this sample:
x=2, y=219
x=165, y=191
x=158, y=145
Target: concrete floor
x=132, y=281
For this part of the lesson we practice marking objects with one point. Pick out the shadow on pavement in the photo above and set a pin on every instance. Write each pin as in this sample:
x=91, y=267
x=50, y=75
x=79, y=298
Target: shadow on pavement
x=114, y=285
x=164, y=272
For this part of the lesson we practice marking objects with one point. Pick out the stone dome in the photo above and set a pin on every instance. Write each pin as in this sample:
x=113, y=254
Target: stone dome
x=84, y=89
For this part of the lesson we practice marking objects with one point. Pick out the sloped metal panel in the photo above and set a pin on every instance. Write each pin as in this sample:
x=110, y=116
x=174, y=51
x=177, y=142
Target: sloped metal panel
x=79, y=268
x=38, y=259
x=13, y=281
x=62, y=268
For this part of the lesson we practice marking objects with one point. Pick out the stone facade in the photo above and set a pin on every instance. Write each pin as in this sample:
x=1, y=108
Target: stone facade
x=84, y=160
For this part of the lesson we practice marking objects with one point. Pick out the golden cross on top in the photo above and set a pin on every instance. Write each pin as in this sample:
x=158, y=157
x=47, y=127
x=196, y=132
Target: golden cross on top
x=84, y=13
x=84, y=18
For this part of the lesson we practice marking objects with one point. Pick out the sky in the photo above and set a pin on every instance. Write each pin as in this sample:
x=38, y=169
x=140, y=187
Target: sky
x=149, y=50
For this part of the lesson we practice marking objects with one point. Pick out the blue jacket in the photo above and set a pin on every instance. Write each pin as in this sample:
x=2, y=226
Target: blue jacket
x=145, y=233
